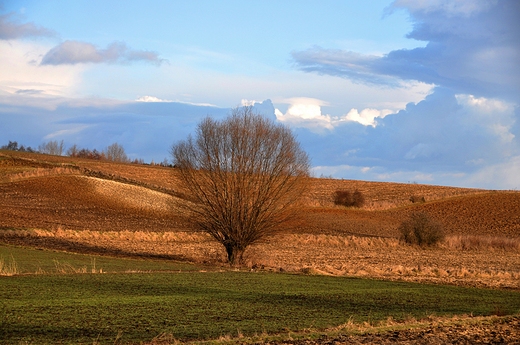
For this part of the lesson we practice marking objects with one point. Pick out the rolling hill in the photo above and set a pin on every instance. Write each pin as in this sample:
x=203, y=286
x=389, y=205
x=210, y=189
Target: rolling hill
x=50, y=192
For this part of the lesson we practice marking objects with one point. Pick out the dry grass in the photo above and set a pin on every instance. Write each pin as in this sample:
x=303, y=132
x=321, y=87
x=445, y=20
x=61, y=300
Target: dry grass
x=42, y=172
x=189, y=246
x=67, y=268
x=133, y=196
x=386, y=258
x=382, y=258
x=460, y=329
x=8, y=267
x=488, y=243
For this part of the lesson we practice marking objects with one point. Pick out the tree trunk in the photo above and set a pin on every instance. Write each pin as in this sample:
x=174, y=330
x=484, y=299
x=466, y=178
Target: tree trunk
x=234, y=253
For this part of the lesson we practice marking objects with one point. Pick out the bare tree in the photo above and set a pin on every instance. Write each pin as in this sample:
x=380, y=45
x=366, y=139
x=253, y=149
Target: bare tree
x=52, y=147
x=244, y=175
x=73, y=151
x=116, y=153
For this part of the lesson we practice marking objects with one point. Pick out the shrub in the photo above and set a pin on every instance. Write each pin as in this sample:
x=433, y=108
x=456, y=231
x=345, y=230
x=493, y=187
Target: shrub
x=417, y=198
x=421, y=229
x=348, y=199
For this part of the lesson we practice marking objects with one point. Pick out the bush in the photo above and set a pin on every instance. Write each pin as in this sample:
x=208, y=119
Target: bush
x=421, y=229
x=417, y=198
x=348, y=199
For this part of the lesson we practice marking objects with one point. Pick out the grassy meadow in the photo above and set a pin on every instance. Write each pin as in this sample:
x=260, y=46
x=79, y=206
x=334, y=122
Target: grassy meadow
x=134, y=301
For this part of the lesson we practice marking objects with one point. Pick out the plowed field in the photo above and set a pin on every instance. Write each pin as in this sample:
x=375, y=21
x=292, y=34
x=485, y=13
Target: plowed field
x=84, y=203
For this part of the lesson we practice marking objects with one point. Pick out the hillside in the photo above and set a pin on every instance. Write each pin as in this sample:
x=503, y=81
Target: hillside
x=50, y=192
x=129, y=210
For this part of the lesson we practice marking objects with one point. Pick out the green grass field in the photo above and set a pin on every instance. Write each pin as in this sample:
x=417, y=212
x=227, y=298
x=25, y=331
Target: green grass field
x=30, y=261
x=189, y=304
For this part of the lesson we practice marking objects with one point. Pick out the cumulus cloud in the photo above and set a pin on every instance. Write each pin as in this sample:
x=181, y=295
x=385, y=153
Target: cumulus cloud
x=450, y=130
x=366, y=117
x=473, y=47
x=151, y=99
x=76, y=52
x=465, y=132
x=445, y=139
x=306, y=113
x=12, y=30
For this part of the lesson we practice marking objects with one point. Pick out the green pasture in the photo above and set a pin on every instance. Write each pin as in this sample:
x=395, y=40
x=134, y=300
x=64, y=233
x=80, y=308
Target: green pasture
x=26, y=260
x=189, y=304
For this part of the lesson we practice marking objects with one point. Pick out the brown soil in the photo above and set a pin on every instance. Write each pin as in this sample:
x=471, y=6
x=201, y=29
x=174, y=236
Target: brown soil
x=82, y=203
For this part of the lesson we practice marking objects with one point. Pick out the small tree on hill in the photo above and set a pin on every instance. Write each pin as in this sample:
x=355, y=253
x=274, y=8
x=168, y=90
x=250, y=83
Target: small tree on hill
x=421, y=229
x=244, y=175
x=52, y=147
x=116, y=153
x=12, y=146
x=348, y=199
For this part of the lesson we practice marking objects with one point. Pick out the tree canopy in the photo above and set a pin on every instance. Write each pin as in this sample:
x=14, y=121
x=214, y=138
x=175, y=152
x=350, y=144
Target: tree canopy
x=244, y=176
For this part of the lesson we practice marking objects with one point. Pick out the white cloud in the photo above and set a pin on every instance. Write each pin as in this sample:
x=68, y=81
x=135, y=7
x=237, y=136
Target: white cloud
x=473, y=48
x=75, y=52
x=367, y=117
x=482, y=104
x=151, y=99
x=375, y=173
x=449, y=7
x=504, y=175
x=10, y=30
x=305, y=112
x=75, y=129
x=497, y=176
x=25, y=82
x=248, y=103
x=496, y=115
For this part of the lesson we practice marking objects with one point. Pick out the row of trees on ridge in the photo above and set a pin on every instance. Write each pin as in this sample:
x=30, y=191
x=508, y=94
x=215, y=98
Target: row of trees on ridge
x=114, y=152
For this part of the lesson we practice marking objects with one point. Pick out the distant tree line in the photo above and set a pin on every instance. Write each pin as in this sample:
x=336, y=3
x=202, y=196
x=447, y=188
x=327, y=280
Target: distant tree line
x=113, y=153
x=13, y=146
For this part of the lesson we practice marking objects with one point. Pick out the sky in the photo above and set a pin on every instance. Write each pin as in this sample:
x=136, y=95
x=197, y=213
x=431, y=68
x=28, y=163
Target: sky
x=422, y=91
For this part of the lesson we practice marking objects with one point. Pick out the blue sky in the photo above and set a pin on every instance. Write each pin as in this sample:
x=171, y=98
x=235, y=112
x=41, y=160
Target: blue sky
x=423, y=91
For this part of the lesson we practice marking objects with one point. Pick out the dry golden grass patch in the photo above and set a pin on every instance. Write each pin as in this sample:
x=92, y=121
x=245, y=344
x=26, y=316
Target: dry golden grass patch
x=42, y=172
x=133, y=196
x=382, y=258
x=190, y=246
x=386, y=258
x=8, y=267
x=460, y=329
x=473, y=242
